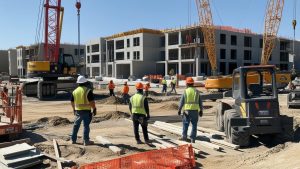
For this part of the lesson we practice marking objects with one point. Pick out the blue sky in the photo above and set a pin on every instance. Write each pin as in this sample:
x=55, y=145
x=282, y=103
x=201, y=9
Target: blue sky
x=106, y=17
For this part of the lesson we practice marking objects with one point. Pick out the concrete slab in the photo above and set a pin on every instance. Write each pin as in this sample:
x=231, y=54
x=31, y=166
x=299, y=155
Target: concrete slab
x=15, y=150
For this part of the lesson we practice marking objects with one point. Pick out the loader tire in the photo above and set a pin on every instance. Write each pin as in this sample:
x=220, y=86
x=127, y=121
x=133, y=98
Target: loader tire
x=287, y=133
x=219, y=118
x=234, y=136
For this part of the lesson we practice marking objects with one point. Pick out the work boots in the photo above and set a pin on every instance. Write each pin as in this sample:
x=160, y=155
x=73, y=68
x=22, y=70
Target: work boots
x=87, y=143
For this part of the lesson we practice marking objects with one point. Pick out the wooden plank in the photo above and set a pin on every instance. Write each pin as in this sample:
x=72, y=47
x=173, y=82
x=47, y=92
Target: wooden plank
x=107, y=143
x=207, y=130
x=222, y=142
x=63, y=160
x=6, y=144
x=175, y=131
x=57, y=154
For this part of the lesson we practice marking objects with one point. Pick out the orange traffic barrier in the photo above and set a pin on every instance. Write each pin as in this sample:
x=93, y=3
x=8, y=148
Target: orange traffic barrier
x=181, y=157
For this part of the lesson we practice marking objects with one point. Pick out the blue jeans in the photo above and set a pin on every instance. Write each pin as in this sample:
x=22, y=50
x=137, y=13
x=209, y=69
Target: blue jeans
x=191, y=116
x=86, y=117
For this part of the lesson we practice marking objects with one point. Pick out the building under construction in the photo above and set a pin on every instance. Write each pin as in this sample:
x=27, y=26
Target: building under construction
x=144, y=51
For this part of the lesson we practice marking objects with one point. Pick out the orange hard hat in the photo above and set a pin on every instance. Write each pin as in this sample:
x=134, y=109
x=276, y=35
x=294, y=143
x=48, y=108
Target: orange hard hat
x=139, y=85
x=189, y=80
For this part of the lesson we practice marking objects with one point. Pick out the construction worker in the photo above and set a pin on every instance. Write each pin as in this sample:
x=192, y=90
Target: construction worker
x=82, y=101
x=125, y=92
x=191, y=104
x=146, y=89
x=111, y=87
x=139, y=109
x=164, y=85
x=173, y=85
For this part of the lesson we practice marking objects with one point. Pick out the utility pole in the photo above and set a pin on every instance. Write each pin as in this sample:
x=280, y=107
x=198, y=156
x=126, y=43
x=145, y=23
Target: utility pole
x=78, y=6
x=294, y=23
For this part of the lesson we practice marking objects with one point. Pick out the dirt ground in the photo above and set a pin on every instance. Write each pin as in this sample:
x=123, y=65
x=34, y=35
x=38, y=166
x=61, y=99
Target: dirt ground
x=46, y=120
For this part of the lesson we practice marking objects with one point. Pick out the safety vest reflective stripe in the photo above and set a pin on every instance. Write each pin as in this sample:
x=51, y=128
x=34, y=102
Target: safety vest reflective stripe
x=137, y=104
x=192, y=98
x=80, y=98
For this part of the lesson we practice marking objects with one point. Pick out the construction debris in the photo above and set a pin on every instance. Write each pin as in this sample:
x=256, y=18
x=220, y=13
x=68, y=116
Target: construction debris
x=19, y=156
x=112, y=147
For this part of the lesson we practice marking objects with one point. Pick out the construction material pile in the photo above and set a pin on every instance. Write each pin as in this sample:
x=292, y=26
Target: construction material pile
x=19, y=156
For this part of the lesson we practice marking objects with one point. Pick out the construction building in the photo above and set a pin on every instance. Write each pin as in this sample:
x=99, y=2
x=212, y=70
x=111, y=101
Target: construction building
x=4, y=61
x=145, y=51
x=12, y=60
x=36, y=52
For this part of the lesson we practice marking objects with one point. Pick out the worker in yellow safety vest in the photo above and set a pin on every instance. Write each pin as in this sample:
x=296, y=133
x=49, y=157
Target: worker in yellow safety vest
x=191, y=104
x=164, y=85
x=139, y=109
x=173, y=85
x=82, y=101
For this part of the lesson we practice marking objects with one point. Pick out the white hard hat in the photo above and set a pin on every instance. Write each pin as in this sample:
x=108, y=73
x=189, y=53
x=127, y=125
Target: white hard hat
x=81, y=79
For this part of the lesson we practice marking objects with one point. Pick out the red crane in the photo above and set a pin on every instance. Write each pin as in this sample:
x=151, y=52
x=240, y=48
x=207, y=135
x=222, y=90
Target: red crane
x=52, y=29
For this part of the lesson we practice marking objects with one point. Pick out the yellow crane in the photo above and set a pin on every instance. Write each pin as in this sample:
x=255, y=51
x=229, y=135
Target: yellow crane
x=208, y=29
x=272, y=22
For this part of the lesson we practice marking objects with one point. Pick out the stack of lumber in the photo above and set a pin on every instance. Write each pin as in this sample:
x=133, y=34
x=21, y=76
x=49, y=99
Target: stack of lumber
x=19, y=156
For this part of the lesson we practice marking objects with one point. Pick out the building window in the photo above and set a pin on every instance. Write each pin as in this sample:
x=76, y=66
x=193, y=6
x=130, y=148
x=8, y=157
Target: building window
x=120, y=44
x=75, y=51
x=162, y=41
x=247, y=41
x=261, y=43
x=284, y=66
x=119, y=55
x=136, y=55
x=95, y=58
x=162, y=55
x=136, y=41
x=247, y=54
x=232, y=66
x=128, y=43
x=95, y=48
x=222, y=39
x=128, y=55
x=173, y=39
x=284, y=56
x=283, y=45
x=233, y=40
x=233, y=54
x=88, y=59
x=173, y=54
x=88, y=49
x=222, y=53
x=247, y=64
x=223, y=67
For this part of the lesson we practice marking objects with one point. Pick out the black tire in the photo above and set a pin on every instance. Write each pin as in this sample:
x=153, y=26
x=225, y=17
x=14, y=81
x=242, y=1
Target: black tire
x=226, y=121
x=234, y=136
x=219, y=118
x=287, y=133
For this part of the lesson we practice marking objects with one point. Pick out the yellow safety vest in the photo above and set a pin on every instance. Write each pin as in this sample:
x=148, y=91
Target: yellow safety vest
x=137, y=104
x=80, y=98
x=192, y=97
x=163, y=82
x=174, y=81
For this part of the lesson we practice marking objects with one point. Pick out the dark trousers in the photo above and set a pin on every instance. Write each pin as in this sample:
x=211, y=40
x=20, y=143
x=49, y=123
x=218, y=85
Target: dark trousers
x=139, y=119
x=86, y=117
x=173, y=88
x=111, y=92
x=164, y=89
x=126, y=98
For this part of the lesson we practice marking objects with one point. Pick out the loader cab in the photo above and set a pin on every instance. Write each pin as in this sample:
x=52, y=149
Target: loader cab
x=254, y=82
x=67, y=65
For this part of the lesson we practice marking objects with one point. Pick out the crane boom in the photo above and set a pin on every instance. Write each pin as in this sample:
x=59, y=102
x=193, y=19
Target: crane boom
x=272, y=22
x=52, y=29
x=208, y=29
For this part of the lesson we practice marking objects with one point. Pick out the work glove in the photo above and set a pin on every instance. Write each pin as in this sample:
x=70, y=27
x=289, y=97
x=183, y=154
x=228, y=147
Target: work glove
x=179, y=112
x=94, y=112
x=200, y=113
